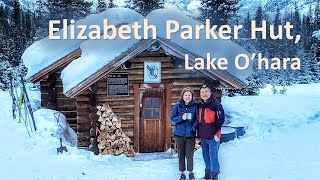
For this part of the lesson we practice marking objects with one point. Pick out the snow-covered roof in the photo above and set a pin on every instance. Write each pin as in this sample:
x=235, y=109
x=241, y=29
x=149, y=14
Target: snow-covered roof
x=98, y=53
x=46, y=52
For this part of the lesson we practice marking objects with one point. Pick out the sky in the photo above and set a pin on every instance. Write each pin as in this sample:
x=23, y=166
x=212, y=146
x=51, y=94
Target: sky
x=281, y=142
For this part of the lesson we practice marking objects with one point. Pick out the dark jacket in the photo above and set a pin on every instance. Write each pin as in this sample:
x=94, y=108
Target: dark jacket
x=211, y=118
x=184, y=128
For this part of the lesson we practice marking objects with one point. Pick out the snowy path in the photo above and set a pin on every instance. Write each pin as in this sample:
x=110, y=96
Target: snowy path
x=282, y=142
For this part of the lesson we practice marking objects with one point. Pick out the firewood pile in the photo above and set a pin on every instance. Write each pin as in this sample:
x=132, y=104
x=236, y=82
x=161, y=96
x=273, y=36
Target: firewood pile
x=111, y=139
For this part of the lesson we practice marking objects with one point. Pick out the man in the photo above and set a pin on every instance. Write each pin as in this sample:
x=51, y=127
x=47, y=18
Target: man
x=211, y=118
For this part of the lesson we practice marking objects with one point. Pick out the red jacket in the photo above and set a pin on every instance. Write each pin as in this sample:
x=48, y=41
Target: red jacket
x=211, y=118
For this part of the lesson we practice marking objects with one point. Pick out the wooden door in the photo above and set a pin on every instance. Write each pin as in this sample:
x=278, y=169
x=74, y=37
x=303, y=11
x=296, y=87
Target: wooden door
x=152, y=121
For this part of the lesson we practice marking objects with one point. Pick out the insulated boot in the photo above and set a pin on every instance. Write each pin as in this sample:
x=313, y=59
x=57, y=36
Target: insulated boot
x=214, y=176
x=207, y=175
x=191, y=176
x=183, y=176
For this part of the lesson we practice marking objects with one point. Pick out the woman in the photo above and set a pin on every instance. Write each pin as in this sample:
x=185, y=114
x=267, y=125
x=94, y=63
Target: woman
x=184, y=115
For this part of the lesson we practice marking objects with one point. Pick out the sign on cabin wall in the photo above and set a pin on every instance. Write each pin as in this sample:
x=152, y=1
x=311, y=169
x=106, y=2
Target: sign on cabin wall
x=118, y=84
x=152, y=72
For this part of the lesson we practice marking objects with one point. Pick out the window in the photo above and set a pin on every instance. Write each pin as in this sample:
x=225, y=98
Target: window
x=151, y=108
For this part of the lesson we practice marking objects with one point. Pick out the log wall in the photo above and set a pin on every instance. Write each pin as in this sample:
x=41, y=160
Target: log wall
x=52, y=97
x=123, y=106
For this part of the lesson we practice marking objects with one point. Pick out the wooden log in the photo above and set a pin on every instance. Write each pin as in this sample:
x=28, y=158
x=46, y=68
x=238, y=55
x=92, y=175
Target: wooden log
x=84, y=128
x=84, y=98
x=83, y=112
x=83, y=143
x=83, y=105
x=83, y=120
x=93, y=116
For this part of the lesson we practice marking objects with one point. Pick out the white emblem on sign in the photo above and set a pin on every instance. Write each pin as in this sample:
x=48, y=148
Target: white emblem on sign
x=152, y=72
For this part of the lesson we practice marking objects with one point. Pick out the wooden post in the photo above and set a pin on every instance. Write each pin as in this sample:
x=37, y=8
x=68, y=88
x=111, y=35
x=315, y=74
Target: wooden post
x=136, y=117
x=168, y=107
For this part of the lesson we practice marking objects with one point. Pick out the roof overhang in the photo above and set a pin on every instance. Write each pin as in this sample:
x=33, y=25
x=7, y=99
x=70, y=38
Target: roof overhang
x=226, y=79
x=57, y=65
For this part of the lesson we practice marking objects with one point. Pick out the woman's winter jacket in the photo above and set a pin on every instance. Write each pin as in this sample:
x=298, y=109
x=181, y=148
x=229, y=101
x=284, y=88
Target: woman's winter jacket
x=184, y=128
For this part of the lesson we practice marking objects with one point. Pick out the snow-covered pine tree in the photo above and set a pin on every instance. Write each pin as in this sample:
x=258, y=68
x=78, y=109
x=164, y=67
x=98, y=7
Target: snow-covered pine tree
x=317, y=15
x=4, y=24
x=315, y=47
x=247, y=26
x=40, y=19
x=29, y=27
x=315, y=63
x=56, y=10
x=304, y=72
x=17, y=35
x=111, y=4
x=68, y=9
x=180, y=4
x=4, y=75
x=6, y=44
x=102, y=6
x=297, y=20
x=308, y=29
x=274, y=45
x=146, y=6
x=218, y=11
x=259, y=16
x=80, y=9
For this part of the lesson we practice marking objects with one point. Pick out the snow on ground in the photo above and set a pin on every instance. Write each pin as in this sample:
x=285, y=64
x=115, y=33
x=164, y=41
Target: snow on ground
x=281, y=142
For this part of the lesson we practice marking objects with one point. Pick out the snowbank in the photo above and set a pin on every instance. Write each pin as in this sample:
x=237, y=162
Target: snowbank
x=282, y=142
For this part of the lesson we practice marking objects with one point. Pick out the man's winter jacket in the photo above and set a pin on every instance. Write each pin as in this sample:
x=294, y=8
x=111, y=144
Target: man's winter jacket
x=211, y=118
x=184, y=128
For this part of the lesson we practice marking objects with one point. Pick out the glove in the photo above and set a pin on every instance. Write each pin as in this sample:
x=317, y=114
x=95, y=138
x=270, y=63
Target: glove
x=216, y=138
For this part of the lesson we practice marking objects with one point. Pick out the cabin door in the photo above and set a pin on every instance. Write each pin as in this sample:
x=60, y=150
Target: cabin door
x=152, y=121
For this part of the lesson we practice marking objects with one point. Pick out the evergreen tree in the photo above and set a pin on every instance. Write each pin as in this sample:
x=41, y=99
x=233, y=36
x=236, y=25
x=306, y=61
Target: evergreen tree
x=102, y=6
x=247, y=26
x=29, y=28
x=317, y=15
x=315, y=63
x=259, y=16
x=4, y=75
x=304, y=72
x=218, y=11
x=111, y=4
x=297, y=20
x=80, y=9
x=275, y=45
x=4, y=25
x=16, y=34
x=308, y=28
x=40, y=19
x=57, y=9
x=145, y=7
x=181, y=5
x=40, y=14
x=68, y=9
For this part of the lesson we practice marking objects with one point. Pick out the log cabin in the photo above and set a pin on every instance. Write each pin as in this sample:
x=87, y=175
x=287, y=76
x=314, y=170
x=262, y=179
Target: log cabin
x=141, y=83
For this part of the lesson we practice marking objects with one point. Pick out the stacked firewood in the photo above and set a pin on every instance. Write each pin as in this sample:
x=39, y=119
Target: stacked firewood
x=111, y=139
